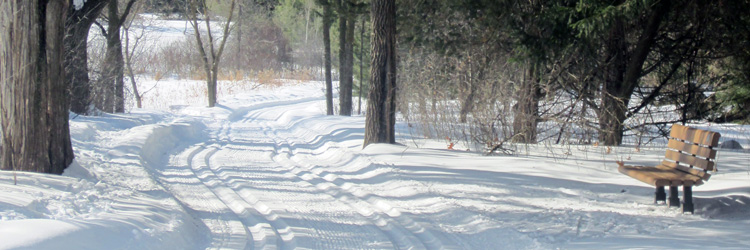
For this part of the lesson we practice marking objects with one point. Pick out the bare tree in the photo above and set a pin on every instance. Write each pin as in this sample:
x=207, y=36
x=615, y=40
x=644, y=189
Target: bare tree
x=112, y=80
x=33, y=93
x=212, y=57
x=77, y=26
x=381, y=102
x=133, y=49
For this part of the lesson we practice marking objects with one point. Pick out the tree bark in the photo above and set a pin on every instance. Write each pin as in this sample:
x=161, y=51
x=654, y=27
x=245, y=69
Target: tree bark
x=623, y=72
x=33, y=96
x=361, y=64
x=210, y=64
x=77, y=26
x=381, y=104
x=114, y=63
x=327, y=50
x=526, y=113
x=345, y=74
x=346, y=90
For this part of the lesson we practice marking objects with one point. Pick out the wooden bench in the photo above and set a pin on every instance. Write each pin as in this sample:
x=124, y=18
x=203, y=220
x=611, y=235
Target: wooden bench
x=689, y=158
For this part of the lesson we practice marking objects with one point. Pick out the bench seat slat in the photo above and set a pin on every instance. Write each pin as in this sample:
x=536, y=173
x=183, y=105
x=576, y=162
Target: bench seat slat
x=694, y=171
x=660, y=176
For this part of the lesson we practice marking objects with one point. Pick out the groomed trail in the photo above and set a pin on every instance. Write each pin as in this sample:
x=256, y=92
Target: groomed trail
x=278, y=174
x=268, y=170
x=258, y=181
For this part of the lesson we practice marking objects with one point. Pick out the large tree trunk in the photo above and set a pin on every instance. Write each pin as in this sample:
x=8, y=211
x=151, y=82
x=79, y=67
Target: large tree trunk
x=33, y=96
x=526, y=110
x=347, y=79
x=614, y=100
x=345, y=85
x=623, y=72
x=327, y=47
x=77, y=26
x=381, y=103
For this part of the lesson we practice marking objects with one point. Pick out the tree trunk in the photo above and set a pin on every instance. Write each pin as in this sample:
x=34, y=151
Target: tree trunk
x=210, y=64
x=33, y=96
x=381, y=103
x=361, y=65
x=113, y=83
x=345, y=74
x=129, y=68
x=345, y=93
x=623, y=72
x=526, y=113
x=327, y=47
x=77, y=26
x=60, y=146
x=212, y=86
x=613, y=106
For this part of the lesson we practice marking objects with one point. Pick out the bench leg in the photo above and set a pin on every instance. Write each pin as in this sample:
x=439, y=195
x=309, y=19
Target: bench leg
x=674, y=198
x=660, y=195
x=687, y=196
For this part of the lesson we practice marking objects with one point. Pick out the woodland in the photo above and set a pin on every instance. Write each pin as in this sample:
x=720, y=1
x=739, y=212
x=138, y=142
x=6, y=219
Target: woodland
x=487, y=73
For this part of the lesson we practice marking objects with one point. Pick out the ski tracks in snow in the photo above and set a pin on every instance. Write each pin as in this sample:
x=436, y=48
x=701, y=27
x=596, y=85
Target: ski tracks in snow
x=402, y=231
x=247, y=185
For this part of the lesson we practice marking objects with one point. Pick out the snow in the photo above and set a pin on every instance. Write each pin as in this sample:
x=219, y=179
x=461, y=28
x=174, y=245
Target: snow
x=266, y=169
x=78, y=4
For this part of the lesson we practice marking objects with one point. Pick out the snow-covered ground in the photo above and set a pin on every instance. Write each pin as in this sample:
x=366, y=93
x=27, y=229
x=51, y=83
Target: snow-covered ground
x=266, y=169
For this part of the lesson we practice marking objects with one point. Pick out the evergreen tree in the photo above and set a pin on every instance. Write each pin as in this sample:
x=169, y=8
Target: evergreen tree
x=381, y=102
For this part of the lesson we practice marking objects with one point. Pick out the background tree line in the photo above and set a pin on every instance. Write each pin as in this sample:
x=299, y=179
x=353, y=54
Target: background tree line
x=488, y=72
x=255, y=37
x=493, y=71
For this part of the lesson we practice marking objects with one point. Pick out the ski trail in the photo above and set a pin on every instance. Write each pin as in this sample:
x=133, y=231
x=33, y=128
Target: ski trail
x=409, y=236
x=226, y=177
x=401, y=238
x=396, y=235
x=401, y=229
x=227, y=231
x=273, y=222
x=251, y=204
x=345, y=155
x=263, y=235
x=424, y=236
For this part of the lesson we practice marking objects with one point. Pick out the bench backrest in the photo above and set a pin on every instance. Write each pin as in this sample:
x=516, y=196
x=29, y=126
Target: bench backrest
x=691, y=150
